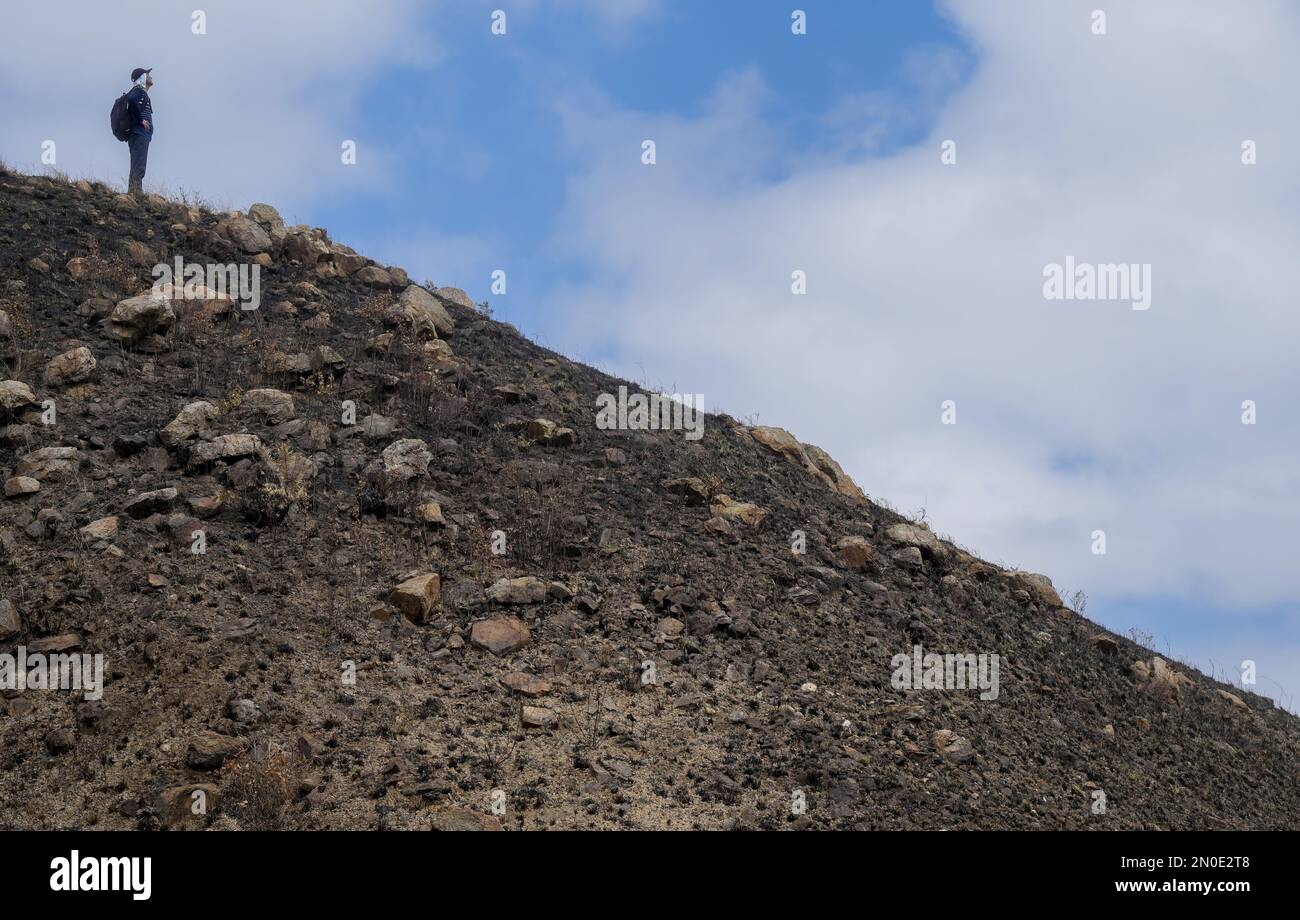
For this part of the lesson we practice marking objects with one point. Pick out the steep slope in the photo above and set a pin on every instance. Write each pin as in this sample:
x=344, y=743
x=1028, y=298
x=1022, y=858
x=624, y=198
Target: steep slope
x=661, y=656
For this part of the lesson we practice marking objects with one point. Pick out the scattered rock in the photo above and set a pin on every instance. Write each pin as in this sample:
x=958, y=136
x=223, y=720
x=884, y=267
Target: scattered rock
x=49, y=463
x=527, y=684
x=147, y=503
x=275, y=406
x=407, y=459
x=75, y=366
x=192, y=421
x=500, y=635
x=421, y=309
x=209, y=750
x=102, y=529
x=225, y=447
x=855, y=553
x=526, y=590
x=416, y=597
x=547, y=432
x=15, y=397
x=952, y=747
x=538, y=717
x=145, y=314
x=727, y=508
x=18, y=486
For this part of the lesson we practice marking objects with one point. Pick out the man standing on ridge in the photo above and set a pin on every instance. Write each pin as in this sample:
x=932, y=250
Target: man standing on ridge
x=141, y=109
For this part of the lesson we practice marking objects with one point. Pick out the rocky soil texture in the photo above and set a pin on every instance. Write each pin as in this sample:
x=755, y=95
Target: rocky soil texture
x=361, y=558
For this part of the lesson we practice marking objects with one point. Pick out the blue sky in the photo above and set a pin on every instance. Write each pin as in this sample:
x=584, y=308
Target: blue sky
x=481, y=136
x=818, y=153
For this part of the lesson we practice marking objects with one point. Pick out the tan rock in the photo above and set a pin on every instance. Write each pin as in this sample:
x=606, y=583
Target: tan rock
x=855, y=553
x=194, y=419
x=951, y=746
x=527, y=684
x=525, y=590
x=225, y=447
x=15, y=396
x=422, y=310
x=18, y=486
x=538, y=717
x=416, y=597
x=102, y=529
x=727, y=508
x=431, y=513
x=500, y=635
x=693, y=489
x=49, y=463
x=1232, y=698
x=276, y=406
x=75, y=366
x=919, y=536
x=209, y=750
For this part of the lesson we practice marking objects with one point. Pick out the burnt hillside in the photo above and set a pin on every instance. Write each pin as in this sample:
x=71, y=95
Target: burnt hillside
x=620, y=634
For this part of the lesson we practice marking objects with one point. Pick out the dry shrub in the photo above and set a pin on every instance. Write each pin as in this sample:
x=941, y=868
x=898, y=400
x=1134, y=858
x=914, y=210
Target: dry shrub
x=257, y=788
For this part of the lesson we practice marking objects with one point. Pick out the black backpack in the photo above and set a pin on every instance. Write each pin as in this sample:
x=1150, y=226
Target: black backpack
x=120, y=118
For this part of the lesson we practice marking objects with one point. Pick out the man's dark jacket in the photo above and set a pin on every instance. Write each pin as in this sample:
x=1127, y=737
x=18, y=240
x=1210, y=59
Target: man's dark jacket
x=141, y=109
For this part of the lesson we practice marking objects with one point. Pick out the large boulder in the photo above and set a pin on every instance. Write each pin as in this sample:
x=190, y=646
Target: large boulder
x=147, y=503
x=193, y=420
x=268, y=218
x=15, y=397
x=49, y=463
x=422, y=310
x=75, y=366
x=730, y=510
x=416, y=597
x=304, y=246
x=407, y=459
x=833, y=473
x=500, y=635
x=526, y=590
x=456, y=296
x=374, y=276
x=919, y=536
x=142, y=315
x=1039, y=587
x=1160, y=680
x=813, y=459
x=225, y=447
x=246, y=233
x=276, y=406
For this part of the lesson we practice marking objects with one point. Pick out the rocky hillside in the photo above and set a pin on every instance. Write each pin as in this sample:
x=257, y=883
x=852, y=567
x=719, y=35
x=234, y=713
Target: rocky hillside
x=362, y=558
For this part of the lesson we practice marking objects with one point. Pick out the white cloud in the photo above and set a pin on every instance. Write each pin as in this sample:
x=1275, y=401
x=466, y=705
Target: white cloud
x=925, y=285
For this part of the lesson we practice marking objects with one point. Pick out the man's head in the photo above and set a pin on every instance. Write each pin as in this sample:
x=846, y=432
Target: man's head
x=143, y=75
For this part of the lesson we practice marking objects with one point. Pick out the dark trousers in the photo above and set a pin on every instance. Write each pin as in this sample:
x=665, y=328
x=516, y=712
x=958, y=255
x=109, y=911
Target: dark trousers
x=139, y=145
